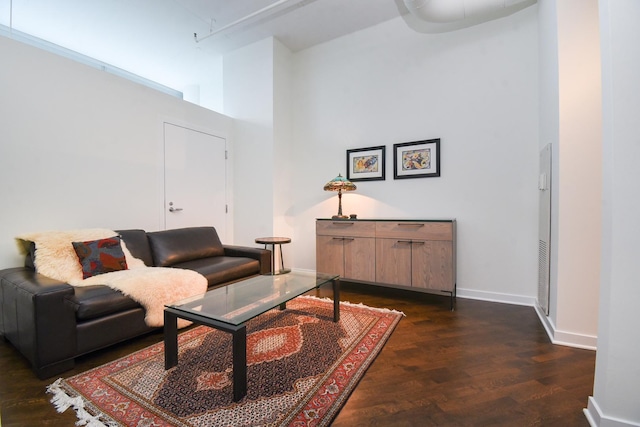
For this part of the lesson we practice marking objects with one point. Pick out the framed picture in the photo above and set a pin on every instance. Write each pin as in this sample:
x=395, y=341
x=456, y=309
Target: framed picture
x=366, y=164
x=420, y=159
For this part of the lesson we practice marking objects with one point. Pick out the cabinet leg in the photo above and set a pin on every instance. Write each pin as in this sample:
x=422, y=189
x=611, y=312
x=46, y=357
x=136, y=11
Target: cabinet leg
x=452, y=298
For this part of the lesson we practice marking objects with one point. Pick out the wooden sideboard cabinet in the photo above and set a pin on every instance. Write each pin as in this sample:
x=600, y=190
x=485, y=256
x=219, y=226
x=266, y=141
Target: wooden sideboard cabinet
x=347, y=248
x=410, y=254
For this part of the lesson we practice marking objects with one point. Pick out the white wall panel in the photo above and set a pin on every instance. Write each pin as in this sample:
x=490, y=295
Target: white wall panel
x=248, y=98
x=477, y=90
x=617, y=377
x=80, y=147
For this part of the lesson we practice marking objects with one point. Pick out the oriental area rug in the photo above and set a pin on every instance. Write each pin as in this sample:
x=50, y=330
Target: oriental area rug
x=302, y=367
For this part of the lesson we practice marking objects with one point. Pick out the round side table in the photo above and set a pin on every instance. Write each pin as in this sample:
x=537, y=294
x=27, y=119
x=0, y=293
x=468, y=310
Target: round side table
x=273, y=241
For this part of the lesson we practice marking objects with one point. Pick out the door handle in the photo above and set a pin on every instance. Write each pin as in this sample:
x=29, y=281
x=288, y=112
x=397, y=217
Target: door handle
x=172, y=209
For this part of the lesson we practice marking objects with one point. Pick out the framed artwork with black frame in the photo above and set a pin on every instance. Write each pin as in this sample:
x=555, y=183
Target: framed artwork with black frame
x=366, y=164
x=419, y=159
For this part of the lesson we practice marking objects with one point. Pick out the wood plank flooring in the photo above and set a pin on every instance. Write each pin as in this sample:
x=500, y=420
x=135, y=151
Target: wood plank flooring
x=485, y=364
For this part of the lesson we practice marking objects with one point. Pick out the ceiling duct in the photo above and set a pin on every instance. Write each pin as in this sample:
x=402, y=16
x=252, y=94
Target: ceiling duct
x=445, y=11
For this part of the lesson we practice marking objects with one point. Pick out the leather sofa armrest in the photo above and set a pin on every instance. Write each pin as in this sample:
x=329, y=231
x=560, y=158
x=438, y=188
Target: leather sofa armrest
x=262, y=255
x=38, y=319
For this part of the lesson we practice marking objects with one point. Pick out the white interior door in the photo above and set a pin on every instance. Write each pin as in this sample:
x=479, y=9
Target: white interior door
x=194, y=179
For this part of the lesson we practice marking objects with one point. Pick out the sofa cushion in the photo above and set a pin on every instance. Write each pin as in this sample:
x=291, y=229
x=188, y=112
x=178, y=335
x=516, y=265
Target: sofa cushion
x=100, y=256
x=222, y=269
x=90, y=302
x=138, y=244
x=171, y=247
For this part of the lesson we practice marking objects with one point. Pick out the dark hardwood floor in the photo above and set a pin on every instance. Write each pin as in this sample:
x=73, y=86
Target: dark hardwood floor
x=485, y=364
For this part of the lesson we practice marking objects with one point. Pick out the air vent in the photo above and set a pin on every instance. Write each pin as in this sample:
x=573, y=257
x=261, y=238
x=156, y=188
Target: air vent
x=543, y=276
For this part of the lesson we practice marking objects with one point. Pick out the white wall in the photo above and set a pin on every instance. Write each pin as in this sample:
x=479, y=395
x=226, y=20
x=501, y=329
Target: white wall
x=549, y=125
x=477, y=90
x=80, y=147
x=579, y=182
x=570, y=119
x=257, y=93
x=617, y=378
x=283, y=177
x=248, y=98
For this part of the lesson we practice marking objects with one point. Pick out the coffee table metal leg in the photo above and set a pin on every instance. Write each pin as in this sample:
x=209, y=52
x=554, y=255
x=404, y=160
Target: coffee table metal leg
x=336, y=299
x=239, y=363
x=170, y=340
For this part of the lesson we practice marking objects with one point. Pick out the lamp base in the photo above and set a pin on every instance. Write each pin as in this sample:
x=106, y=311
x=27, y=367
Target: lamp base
x=340, y=217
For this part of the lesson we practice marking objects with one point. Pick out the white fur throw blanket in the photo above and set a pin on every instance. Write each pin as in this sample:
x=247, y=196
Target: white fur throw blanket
x=151, y=287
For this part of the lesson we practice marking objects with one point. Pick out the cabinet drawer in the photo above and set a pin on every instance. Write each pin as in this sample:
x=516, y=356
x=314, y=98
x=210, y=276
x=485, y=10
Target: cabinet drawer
x=415, y=230
x=346, y=228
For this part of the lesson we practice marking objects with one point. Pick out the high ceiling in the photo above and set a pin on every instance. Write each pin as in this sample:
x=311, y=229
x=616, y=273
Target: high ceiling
x=155, y=38
x=299, y=24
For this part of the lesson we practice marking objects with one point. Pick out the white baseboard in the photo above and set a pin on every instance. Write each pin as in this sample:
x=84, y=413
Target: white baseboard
x=556, y=336
x=596, y=418
x=570, y=339
x=495, y=297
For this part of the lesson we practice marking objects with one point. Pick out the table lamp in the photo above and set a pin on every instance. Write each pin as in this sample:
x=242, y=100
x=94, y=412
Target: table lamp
x=339, y=184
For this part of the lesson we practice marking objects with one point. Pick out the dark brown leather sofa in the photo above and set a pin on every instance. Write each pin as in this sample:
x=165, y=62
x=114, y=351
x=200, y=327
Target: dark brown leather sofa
x=51, y=322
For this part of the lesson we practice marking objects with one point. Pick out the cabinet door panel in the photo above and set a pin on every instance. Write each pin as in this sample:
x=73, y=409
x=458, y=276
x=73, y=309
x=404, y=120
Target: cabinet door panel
x=393, y=262
x=432, y=265
x=329, y=255
x=359, y=258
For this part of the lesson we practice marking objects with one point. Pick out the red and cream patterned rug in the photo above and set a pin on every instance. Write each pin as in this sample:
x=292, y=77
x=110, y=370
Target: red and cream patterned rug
x=301, y=369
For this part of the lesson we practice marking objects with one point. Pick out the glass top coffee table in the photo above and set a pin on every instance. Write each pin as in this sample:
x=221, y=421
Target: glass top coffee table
x=228, y=308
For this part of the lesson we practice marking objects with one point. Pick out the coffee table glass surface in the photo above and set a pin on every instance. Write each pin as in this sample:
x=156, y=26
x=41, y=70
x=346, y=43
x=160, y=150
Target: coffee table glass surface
x=241, y=301
x=228, y=308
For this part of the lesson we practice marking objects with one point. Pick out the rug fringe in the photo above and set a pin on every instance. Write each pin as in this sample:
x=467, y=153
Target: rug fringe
x=62, y=401
x=359, y=305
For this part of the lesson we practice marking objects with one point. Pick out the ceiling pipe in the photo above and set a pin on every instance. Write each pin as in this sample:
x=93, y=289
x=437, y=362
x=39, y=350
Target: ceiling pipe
x=241, y=20
x=444, y=11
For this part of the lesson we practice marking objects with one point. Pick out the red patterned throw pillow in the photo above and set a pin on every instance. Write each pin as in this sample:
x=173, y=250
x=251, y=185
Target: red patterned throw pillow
x=100, y=256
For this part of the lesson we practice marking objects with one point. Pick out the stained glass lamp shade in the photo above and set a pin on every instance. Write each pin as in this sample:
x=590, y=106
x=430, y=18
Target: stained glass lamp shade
x=339, y=184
